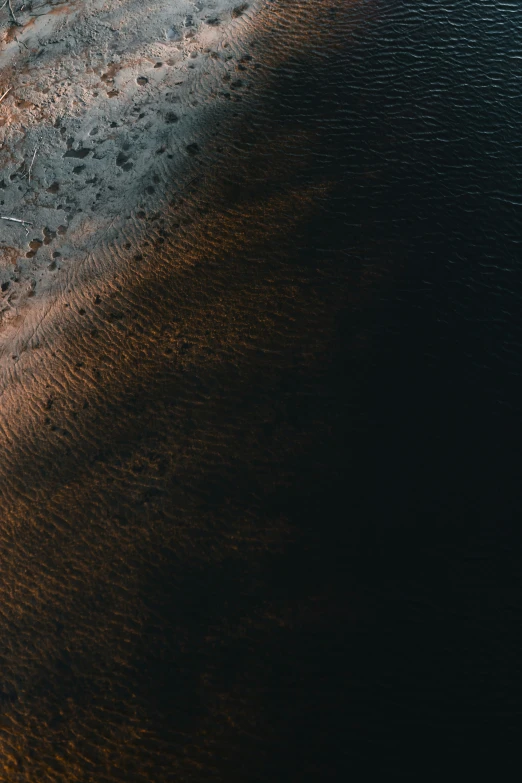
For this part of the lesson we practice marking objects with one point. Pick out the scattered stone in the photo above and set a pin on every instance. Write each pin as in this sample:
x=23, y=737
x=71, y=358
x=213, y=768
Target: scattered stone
x=79, y=153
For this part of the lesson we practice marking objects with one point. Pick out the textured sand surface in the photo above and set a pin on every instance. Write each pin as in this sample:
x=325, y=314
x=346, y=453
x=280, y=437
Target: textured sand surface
x=164, y=418
x=107, y=103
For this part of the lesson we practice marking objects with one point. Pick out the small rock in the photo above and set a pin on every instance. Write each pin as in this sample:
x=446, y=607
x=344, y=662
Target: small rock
x=239, y=10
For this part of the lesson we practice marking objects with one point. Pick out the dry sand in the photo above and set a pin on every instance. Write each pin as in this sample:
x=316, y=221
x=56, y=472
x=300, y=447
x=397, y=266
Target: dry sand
x=107, y=103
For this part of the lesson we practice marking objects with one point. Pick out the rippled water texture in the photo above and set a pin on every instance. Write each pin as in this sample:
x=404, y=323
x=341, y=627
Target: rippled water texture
x=260, y=469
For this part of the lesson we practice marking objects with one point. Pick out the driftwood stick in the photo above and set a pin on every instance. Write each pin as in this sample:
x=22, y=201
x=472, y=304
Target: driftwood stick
x=5, y=93
x=32, y=164
x=16, y=220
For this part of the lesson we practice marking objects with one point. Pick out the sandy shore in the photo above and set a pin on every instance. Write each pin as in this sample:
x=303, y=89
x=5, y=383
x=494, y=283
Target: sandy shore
x=105, y=103
x=164, y=340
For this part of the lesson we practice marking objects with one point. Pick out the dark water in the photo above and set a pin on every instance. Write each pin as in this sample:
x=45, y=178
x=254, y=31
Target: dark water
x=433, y=156
x=434, y=94
x=292, y=552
